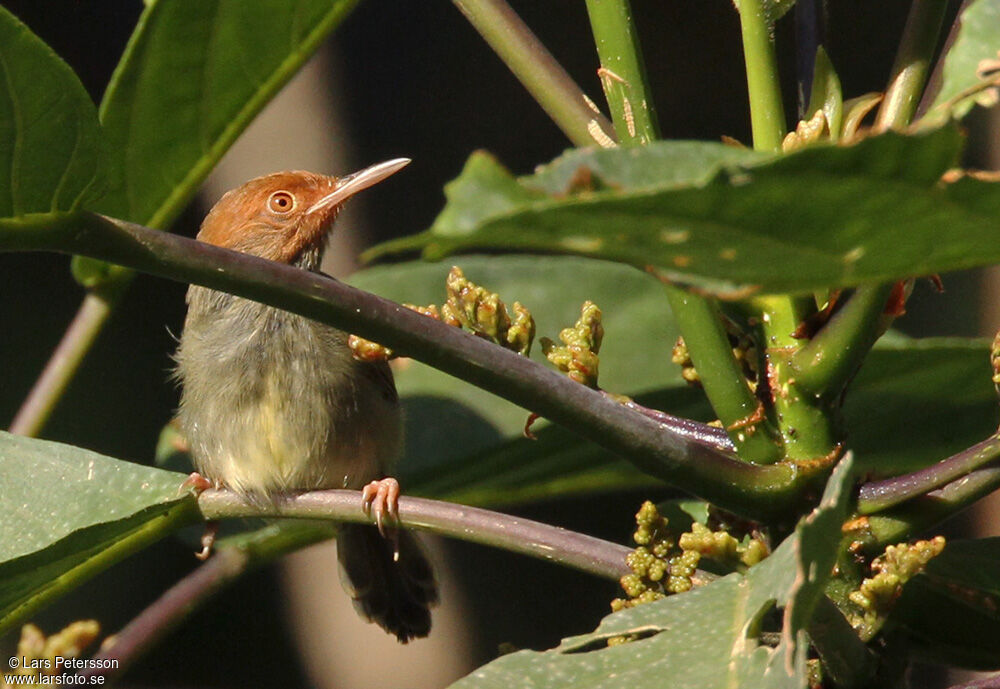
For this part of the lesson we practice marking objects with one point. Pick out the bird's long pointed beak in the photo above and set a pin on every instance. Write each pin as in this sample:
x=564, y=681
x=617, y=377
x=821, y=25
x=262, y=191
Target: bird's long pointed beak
x=351, y=184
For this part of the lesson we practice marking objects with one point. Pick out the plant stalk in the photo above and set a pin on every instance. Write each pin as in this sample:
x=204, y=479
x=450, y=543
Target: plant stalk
x=699, y=319
x=767, y=114
x=912, y=64
x=827, y=363
x=50, y=386
x=524, y=536
x=877, y=496
x=623, y=74
x=229, y=562
x=544, y=78
x=901, y=522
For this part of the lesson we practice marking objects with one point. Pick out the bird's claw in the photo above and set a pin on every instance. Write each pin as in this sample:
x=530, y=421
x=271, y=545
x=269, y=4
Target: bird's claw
x=382, y=498
x=207, y=540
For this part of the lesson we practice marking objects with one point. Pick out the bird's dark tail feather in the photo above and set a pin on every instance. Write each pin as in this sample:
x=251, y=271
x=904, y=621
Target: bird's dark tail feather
x=395, y=595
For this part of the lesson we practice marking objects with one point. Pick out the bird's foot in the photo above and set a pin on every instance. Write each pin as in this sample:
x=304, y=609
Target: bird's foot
x=207, y=540
x=382, y=498
x=196, y=483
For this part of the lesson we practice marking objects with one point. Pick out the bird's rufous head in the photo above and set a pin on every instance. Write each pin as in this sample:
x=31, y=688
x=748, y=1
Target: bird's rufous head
x=285, y=216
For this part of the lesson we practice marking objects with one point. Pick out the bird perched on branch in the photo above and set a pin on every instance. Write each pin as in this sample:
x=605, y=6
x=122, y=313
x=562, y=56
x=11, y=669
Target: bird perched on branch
x=273, y=402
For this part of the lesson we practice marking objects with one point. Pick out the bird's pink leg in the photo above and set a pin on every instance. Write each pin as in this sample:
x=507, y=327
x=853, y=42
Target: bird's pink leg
x=382, y=498
x=198, y=484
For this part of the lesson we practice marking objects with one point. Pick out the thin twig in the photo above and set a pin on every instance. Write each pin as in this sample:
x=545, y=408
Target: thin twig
x=233, y=558
x=120, y=651
x=880, y=495
x=754, y=491
x=585, y=553
x=544, y=78
x=62, y=365
x=912, y=64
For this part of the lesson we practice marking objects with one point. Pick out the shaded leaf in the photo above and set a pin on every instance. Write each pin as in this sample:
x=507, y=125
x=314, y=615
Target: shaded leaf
x=972, y=62
x=69, y=513
x=193, y=76
x=706, y=638
x=916, y=402
x=828, y=215
x=51, y=149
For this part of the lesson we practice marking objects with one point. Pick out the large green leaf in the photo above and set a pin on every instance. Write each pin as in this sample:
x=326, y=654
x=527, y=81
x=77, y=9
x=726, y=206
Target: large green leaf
x=69, y=513
x=827, y=215
x=915, y=402
x=972, y=61
x=193, y=76
x=51, y=150
x=707, y=638
x=951, y=612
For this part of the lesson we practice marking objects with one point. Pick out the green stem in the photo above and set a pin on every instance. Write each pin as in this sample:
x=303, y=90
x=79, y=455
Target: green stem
x=767, y=114
x=757, y=491
x=804, y=420
x=721, y=376
x=698, y=318
x=805, y=427
x=826, y=364
x=183, y=513
x=623, y=75
x=544, y=78
x=912, y=64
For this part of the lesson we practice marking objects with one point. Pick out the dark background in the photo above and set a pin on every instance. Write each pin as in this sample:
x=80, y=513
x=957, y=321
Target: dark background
x=449, y=96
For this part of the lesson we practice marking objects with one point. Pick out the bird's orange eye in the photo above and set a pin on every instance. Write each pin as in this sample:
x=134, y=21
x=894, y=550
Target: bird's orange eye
x=281, y=202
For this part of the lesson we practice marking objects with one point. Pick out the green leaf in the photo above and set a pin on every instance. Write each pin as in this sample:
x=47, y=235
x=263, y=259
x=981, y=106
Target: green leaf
x=193, y=76
x=707, y=638
x=916, y=402
x=70, y=513
x=951, y=611
x=828, y=215
x=972, y=63
x=51, y=150
x=459, y=438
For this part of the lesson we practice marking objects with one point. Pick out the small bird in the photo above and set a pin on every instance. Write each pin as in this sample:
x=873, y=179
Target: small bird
x=273, y=402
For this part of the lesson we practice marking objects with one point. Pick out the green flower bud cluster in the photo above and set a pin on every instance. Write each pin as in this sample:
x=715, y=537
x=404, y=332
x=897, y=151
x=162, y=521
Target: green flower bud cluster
x=722, y=547
x=40, y=652
x=469, y=306
x=577, y=356
x=481, y=311
x=366, y=350
x=662, y=565
x=876, y=595
x=995, y=360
